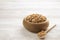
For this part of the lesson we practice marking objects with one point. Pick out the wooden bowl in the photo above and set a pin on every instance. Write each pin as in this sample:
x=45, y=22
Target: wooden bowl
x=36, y=27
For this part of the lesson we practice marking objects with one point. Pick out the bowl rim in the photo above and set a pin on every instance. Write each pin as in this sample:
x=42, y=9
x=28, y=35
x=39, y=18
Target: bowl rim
x=37, y=23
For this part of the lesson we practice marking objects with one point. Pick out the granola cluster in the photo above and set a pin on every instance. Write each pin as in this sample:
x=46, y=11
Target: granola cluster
x=42, y=34
x=35, y=18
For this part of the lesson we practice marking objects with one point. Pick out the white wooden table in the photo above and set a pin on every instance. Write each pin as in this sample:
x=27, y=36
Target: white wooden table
x=12, y=13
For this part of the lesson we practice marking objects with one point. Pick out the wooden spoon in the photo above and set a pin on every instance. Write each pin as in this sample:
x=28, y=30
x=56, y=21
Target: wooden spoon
x=43, y=33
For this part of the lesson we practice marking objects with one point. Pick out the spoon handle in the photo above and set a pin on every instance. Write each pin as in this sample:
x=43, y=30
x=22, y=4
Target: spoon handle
x=50, y=28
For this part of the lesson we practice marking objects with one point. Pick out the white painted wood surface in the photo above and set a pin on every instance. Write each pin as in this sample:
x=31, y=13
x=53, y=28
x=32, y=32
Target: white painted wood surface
x=12, y=13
